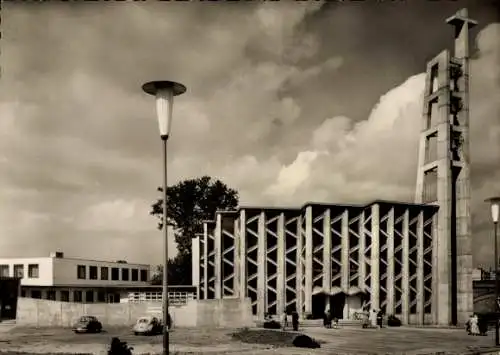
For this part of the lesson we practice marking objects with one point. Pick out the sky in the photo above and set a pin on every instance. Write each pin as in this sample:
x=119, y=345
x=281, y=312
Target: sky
x=287, y=102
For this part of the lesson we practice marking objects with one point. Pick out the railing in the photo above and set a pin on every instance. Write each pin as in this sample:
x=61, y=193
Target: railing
x=174, y=298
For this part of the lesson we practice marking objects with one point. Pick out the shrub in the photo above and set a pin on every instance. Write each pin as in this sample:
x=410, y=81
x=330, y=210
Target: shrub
x=303, y=341
x=393, y=321
x=272, y=324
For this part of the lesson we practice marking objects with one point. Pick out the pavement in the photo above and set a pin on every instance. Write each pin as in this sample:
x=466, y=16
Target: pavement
x=347, y=340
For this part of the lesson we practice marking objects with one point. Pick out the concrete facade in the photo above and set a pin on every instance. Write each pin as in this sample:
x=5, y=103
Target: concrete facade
x=74, y=280
x=213, y=313
x=443, y=176
x=361, y=257
x=414, y=261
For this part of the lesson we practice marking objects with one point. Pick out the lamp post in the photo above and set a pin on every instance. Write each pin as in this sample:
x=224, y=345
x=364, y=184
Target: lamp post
x=164, y=91
x=495, y=214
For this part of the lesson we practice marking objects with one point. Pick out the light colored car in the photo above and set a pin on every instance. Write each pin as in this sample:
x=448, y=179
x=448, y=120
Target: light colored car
x=148, y=325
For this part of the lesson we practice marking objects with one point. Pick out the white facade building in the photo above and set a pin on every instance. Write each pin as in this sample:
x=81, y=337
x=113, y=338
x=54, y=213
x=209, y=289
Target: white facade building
x=75, y=280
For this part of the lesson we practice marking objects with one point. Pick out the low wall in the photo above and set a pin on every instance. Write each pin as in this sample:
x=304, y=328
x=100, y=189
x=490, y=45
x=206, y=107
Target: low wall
x=205, y=313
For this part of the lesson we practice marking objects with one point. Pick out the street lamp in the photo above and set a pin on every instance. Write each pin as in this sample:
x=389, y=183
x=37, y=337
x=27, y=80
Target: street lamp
x=495, y=214
x=164, y=91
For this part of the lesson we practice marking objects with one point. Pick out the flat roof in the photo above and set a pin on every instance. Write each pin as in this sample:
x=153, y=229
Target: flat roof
x=75, y=259
x=327, y=204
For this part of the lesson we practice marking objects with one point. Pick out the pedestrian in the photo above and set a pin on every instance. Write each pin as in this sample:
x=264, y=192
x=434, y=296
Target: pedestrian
x=295, y=321
x=380, y=318
x=474, y=325
x=326, y=316
x=335, y=323
x=373, y=318
x=285, y=320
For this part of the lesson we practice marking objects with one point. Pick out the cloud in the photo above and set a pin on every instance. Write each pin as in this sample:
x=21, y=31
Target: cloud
x=349, y=161
x=269, y=110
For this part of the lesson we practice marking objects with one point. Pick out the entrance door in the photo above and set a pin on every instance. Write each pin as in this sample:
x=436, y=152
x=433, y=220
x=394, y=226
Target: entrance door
x=318, y=305
x=337, y=303
x=353, y=304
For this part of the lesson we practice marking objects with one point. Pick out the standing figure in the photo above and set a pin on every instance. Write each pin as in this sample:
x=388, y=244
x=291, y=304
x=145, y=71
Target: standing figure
x=295, y=321
x=380, y=318
x=284, y=320
x=373, y=318
x=474, y=325
x=326, y=319
x=335, y=322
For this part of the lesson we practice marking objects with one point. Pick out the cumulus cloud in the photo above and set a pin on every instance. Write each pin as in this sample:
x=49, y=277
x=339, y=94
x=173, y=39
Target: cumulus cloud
x=265, y=111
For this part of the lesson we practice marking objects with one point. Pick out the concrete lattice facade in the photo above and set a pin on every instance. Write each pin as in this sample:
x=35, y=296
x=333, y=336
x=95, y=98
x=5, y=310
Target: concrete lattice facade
x=283, y=258
x=411, y=260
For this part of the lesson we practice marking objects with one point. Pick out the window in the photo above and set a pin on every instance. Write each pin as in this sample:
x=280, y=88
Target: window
x=51, y=295
x=89, y=297
x=93, y=272
x=101, y=296
x=81, y=272
x=144, y=275
x=104, y=273
x=33, y=271
x=36, y=294
x=4, y=270
x=77, y=296
x=115, y=274
x=19, y=270
x=135, y=275
x=125, y=274
x=65, y=296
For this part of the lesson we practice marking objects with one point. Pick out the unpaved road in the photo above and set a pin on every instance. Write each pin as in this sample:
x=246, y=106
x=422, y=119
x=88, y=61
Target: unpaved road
x=50, y=340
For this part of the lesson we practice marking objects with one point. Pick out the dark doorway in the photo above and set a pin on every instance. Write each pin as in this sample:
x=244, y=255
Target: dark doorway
x=318, y=305
x=9, y=290
x=337, y=303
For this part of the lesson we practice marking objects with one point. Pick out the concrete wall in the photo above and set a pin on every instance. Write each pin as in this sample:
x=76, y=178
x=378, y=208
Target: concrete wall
x=204, y=313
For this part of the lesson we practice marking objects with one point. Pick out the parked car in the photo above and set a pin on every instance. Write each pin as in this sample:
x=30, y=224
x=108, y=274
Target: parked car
x=148, y=325
x=87, y=324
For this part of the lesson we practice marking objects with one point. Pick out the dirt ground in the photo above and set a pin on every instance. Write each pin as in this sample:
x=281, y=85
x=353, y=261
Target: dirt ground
x=58, y=340
x=410, y=341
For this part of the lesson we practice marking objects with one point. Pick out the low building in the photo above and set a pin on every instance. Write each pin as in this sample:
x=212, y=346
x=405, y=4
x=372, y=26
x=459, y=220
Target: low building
x=59, y=278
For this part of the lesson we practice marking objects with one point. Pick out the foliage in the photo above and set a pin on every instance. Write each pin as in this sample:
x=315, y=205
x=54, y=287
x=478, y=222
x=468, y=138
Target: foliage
x=189, y=203
x=179, y=271
x=265, y=337
x=393, y=321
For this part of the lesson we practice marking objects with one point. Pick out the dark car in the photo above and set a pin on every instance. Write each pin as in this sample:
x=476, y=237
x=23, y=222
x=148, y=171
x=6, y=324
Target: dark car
x=88, y=324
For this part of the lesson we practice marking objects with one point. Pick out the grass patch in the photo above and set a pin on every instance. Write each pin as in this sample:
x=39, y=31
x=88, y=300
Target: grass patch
x=276, y=338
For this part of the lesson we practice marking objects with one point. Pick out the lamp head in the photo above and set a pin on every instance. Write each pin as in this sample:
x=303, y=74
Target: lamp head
x=495, y=208
x=164, y=91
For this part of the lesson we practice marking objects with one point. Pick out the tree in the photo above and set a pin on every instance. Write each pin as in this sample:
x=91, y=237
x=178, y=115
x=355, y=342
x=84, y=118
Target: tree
x=189, y=203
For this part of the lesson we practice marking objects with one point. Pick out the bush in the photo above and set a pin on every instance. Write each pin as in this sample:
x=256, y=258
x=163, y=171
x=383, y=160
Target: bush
x=393, y=321
x=272, y=324
x=303, y=341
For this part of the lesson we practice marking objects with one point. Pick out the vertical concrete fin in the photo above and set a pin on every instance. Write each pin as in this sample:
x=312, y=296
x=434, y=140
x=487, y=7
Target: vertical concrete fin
x=308, y=261
x=375, y=257
x=390, y=307
x=218, y=256
x=262, y=272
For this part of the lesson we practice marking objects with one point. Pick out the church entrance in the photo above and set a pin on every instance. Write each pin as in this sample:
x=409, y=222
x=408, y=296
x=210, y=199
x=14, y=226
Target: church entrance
x=337, y=304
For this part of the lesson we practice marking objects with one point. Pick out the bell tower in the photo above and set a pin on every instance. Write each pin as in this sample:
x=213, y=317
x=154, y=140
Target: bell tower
x=443, y=176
